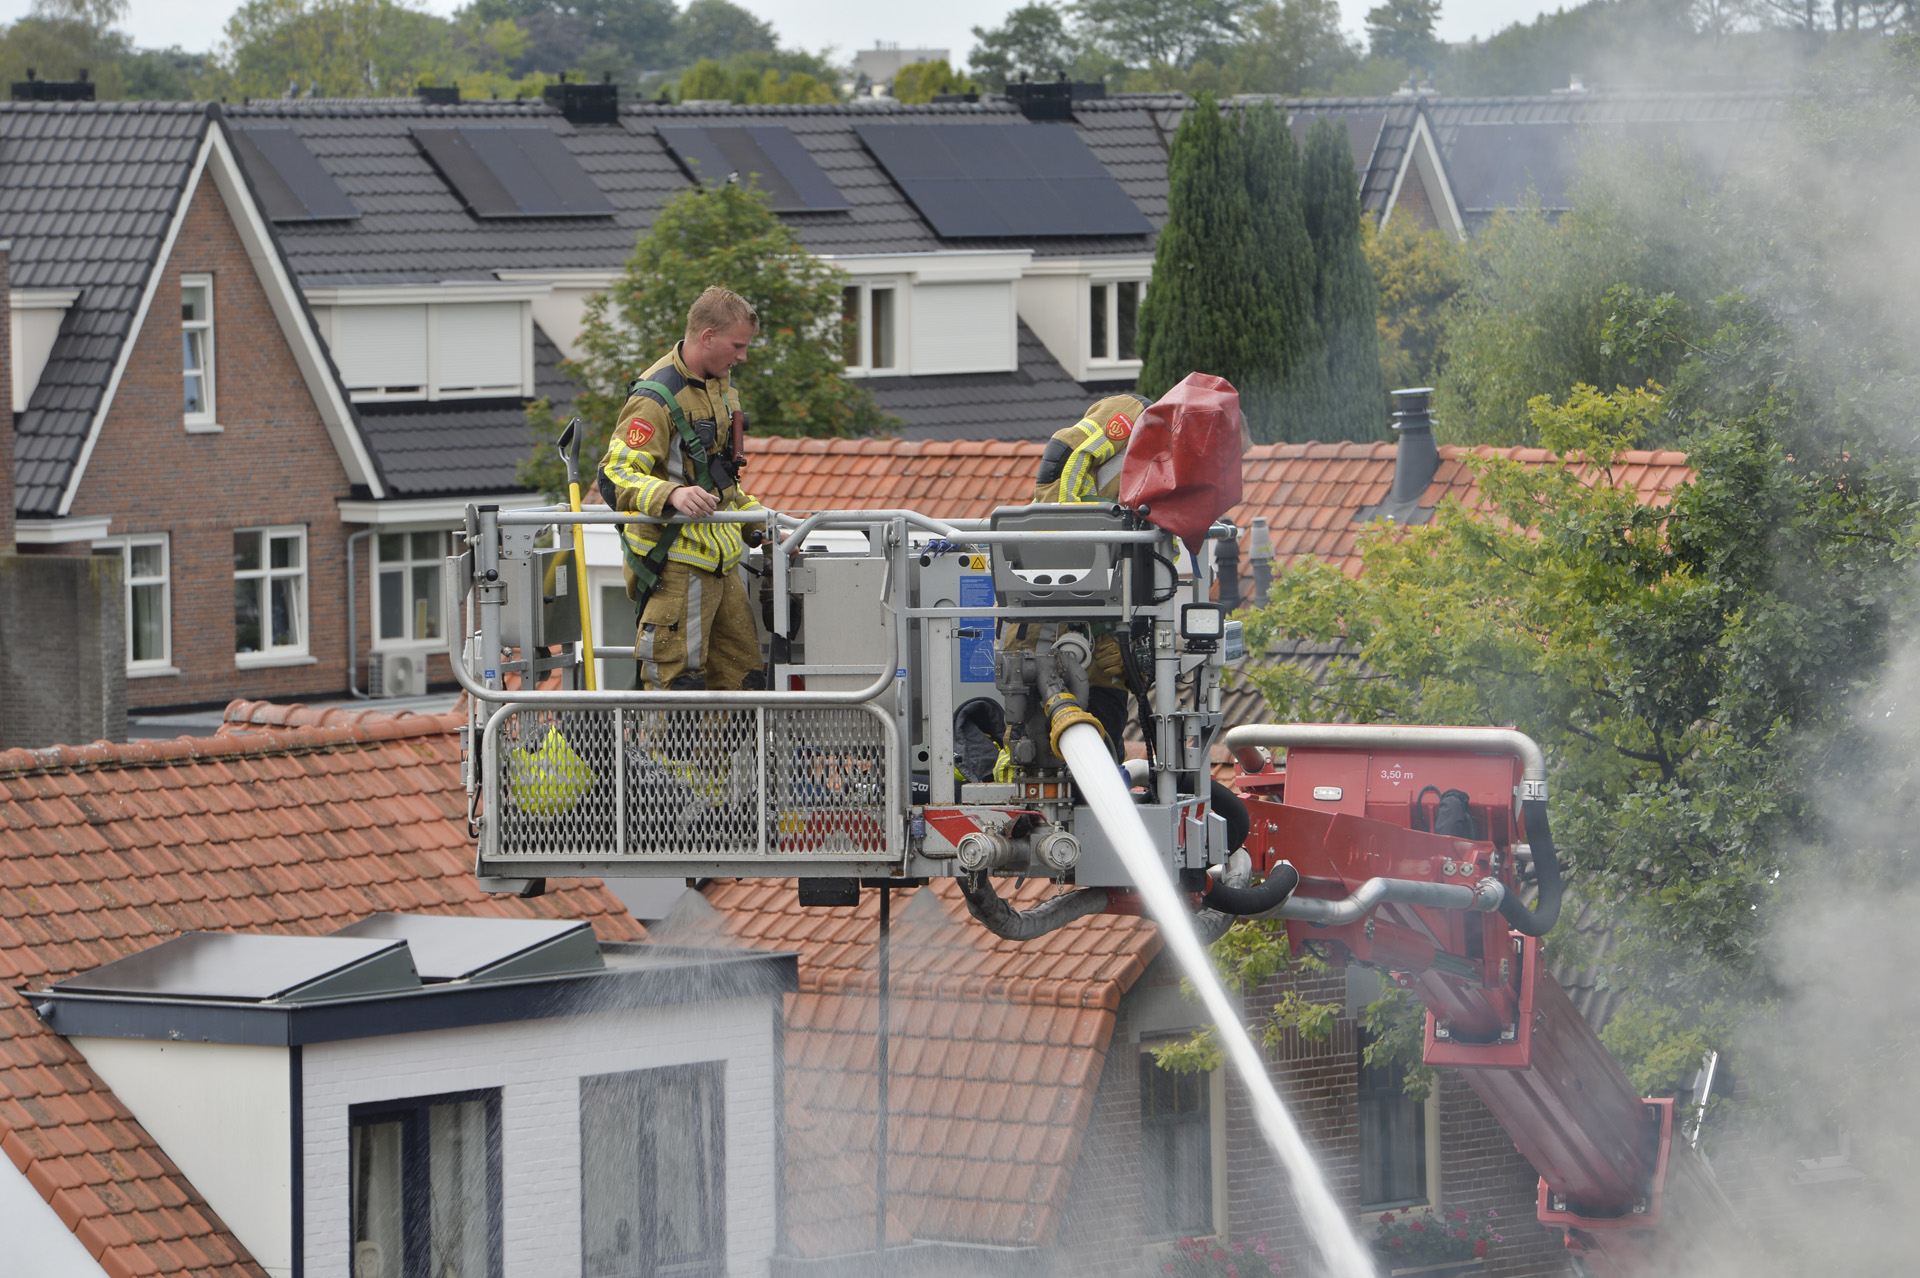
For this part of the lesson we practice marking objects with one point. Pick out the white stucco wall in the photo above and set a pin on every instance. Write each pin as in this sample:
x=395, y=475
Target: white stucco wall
x=537, y=1066
x=36, y=1240
x=223, y=1114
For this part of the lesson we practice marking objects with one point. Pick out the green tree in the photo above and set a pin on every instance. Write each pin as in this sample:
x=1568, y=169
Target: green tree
x=760, y=78
x=1344, y=298
x=349, y=48
x=1205, y=307
x=1282, y=391
x=1532, y=317
x=1293, y=47
x=1170, y=33
x=1402, y=30
x=60, y=39
x=795, y=382
x=1418, y=273
x=1690, y=670
x=1031, y=41
x=719, y=30
x=919, y=81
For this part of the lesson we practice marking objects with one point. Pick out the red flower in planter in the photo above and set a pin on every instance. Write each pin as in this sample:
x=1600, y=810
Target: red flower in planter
x=1480, y=1249
x=1417, y=1227
x=1386, y=1218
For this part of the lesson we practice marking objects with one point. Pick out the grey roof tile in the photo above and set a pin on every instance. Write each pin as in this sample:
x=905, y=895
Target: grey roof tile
x=86, y=192
x=460, y=446
x=1036, y=400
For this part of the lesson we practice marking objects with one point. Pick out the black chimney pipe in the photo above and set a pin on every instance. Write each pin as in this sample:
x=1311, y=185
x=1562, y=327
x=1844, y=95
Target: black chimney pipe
x=1418, y=457
x=1226, y=559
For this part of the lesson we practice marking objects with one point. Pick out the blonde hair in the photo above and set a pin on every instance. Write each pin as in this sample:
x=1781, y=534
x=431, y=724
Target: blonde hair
x=718, y=308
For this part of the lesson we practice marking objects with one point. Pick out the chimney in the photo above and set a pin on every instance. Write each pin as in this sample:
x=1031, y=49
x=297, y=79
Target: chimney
x=1260, y=552
x=1226, y=562
x=1418, y=458
x=6, y=397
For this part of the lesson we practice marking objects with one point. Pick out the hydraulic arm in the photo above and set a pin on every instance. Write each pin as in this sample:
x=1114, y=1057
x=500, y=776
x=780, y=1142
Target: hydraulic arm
x=1409, y=844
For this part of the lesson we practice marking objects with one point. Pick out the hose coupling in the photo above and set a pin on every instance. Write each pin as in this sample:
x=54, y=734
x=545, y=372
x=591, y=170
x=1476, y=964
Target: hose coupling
x=983, y=850
x=1063, y=711
x=1060, y=851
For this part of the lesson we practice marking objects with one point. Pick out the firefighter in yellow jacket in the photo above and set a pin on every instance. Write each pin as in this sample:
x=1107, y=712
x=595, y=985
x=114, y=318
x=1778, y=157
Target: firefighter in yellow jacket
x=670, y=455
x=1082, y=461
x=1082, y=464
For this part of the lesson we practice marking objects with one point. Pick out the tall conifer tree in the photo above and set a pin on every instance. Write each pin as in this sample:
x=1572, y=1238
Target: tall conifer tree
x=1285, y=392
x=1344, y=294
x=1201, y=312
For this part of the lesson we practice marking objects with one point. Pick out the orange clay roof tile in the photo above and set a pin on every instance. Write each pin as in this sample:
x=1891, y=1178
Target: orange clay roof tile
x=968, y=1016
x=291, y=819
x=1315, y=485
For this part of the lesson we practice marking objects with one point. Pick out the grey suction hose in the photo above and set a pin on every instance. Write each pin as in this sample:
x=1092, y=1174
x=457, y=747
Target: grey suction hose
x=1002, y=919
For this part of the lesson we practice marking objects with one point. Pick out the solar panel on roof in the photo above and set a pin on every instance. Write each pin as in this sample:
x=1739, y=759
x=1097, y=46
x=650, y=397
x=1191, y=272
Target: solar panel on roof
x=293, y=186
x=253, y=968
x=447, y=947
x=994, y=181
x=502, y=172
x=769, y=154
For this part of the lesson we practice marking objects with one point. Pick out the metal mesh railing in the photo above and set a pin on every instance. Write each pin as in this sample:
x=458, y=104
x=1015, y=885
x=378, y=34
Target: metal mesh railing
x=809, y=783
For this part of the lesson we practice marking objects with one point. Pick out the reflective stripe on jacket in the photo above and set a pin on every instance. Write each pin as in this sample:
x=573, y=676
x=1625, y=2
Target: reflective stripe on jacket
x=646, y=460
x=1082, y=462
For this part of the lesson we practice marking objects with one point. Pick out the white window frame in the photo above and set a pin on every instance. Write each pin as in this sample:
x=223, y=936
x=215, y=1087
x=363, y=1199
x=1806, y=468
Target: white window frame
x=867, y=287
x=409, y=642
x=207, y=421
x=123, y=547
x=294, y=654
x=1110, y=299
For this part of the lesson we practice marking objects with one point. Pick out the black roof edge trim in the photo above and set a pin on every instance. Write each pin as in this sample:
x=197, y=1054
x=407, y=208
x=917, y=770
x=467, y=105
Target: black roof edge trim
x=713, y=975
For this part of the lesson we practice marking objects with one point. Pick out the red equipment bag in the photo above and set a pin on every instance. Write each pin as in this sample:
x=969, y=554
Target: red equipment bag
x=1183, y=462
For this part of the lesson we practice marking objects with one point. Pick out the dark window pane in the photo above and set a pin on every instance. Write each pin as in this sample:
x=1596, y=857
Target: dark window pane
x=426, y=545
x=1393, y=1139
x=148, y=562
x=286, y=552
x=652, y=1172
x=1176, y=1151
x=1097, y=316
x=393, y=604
x=246, y=551
x=881, y=303
x=850, y=317
x=149, y=623
x=286, y=612
x=1128, y=321
x=393, y=548
x=246, y=615
x=426, y=602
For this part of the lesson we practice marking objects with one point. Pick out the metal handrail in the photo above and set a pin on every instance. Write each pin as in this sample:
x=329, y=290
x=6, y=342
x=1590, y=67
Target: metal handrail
x=453, y=600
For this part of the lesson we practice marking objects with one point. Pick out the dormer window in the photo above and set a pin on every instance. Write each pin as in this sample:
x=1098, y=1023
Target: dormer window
x=1113, y=321
x=872, y=314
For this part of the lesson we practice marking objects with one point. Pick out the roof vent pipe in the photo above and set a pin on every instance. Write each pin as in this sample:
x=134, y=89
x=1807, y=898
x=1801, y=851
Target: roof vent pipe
x=1417, y=458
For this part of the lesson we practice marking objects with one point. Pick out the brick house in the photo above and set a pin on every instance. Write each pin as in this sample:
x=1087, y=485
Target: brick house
x=173, y=405
x=258, y=1014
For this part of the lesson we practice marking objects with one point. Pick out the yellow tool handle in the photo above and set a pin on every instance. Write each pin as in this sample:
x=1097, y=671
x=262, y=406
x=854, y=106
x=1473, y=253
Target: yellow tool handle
x=580, y=576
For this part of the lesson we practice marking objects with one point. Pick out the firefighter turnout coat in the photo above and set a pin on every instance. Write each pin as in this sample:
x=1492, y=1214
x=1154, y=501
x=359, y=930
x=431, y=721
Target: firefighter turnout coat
x=1082, y=461
x=646, y=460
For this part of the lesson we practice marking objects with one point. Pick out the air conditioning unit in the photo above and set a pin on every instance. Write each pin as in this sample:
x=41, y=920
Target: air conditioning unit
x=397, y=674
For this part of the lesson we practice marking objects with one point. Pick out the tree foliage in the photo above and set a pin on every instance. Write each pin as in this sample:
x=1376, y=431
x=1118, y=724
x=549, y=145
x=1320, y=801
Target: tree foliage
x=1031, y=41
x=759, y=78
x=1538, y=298
x=795, y=382
x=1205, y=311
x=1344, y=299
x=1402, y=31
x=1168, y=33
x=1689, y=669
x=1418, y=273
x=920, y=81
x=1284, y=387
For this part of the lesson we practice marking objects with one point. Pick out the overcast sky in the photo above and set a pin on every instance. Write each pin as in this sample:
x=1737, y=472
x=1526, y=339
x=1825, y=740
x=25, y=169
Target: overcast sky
x=846, y=25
